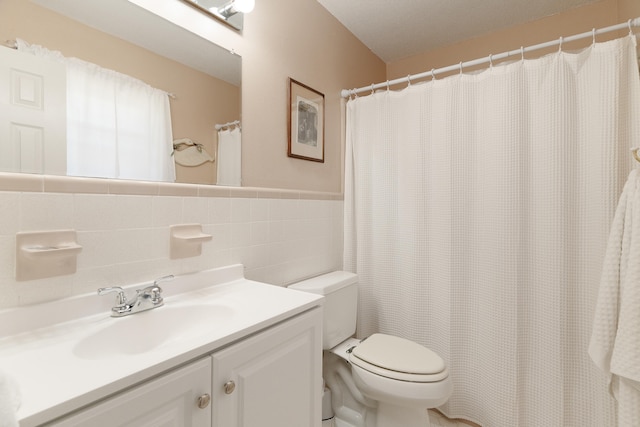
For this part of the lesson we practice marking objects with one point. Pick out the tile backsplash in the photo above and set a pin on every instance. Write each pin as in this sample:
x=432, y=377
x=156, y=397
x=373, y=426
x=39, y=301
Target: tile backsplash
x=280, y=236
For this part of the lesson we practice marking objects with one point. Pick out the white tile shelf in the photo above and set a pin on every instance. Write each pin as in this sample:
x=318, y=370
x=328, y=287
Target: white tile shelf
x=42, y=254
x=186, y=240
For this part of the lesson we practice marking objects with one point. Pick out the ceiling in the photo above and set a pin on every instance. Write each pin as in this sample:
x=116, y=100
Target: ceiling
x=396, y=29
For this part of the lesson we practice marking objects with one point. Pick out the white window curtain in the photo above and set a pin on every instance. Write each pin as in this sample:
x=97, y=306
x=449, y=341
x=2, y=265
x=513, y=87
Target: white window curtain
x=117, y=126
x=477, y=212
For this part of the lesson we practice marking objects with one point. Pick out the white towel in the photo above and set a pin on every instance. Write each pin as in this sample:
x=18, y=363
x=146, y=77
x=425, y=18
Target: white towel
x=615, y=339
x=9, y=400
x=229, y=157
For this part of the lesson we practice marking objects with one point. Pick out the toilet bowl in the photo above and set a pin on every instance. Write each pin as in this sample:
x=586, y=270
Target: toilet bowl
x=381, y=381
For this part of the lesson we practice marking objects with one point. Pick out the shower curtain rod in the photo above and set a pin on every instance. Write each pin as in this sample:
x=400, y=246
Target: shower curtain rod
x=345, y=93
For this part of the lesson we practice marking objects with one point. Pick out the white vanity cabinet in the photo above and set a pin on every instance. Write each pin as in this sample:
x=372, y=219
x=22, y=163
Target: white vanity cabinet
x=254, y=349
x=272, y=379
x=172, y=399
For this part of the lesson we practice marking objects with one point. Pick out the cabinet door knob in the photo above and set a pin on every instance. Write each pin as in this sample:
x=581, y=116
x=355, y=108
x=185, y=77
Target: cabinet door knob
x=203, y=401
x=229, y=386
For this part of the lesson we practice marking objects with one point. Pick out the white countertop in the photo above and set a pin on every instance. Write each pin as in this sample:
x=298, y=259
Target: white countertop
x=60, y=367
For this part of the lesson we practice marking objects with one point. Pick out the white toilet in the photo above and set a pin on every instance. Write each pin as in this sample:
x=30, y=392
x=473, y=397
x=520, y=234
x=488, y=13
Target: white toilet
x=381, y=381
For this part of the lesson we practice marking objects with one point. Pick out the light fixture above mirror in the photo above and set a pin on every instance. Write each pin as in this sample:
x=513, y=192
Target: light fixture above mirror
x=231, y=12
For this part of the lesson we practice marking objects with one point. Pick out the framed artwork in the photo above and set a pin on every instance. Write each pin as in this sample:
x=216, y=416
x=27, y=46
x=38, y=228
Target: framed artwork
x=306, y=122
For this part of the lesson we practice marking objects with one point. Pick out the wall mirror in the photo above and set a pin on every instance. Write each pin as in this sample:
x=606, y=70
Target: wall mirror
x=204, y=78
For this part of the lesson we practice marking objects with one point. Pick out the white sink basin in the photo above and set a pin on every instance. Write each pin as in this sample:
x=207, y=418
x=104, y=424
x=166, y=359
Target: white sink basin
x=95, y=355
x=145, y=331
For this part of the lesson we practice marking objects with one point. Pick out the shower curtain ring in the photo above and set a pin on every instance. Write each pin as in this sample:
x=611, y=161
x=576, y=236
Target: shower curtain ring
x=372, y=89
x=433, y=74
x=387, y=85
x=593, y=35
x=408, y=80
x=460, y=67
x=629, y=24
x=522, y=53
x=491, y=61
x=561, y=41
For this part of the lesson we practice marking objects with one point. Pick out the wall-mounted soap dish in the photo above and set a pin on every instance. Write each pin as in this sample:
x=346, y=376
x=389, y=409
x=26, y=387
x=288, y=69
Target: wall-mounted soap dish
x=186, y=240
x=44, y=254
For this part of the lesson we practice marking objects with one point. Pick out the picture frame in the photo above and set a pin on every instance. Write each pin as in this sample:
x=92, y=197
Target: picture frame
x=305, y=122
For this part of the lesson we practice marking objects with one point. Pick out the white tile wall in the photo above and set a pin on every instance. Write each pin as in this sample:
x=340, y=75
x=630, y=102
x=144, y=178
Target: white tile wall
x=279, y=236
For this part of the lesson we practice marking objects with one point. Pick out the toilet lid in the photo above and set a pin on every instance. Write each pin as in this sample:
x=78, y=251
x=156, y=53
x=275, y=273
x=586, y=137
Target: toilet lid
x=397, y=357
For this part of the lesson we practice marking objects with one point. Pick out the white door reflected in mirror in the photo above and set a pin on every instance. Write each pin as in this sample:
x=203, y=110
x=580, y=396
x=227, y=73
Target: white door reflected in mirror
x=32, y=127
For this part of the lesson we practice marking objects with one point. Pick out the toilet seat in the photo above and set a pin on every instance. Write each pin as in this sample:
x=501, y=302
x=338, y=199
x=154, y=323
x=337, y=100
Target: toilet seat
x=398, y=358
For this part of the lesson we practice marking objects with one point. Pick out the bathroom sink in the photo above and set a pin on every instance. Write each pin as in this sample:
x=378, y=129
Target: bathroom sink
x=142, y=332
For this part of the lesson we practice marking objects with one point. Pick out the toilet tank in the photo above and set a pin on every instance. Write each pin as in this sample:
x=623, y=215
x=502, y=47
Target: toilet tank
x=340, y=289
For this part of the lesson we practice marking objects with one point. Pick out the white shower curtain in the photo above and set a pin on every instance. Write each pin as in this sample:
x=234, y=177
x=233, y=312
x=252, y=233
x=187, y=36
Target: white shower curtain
x=477, y=210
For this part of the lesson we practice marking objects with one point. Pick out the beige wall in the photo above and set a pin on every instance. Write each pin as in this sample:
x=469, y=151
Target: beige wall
x=628, y=9
x=578, y=20
x=201, y=100
x=301, y=40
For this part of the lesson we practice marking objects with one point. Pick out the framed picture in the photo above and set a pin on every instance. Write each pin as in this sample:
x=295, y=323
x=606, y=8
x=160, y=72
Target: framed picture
x=306, y=122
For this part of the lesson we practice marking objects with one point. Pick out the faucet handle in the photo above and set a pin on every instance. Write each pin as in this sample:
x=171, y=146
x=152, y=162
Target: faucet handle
x=122, y=297
x=153, y=292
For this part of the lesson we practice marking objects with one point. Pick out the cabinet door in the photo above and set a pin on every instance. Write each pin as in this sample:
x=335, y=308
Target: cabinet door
x=273, y=379
x=168, y=401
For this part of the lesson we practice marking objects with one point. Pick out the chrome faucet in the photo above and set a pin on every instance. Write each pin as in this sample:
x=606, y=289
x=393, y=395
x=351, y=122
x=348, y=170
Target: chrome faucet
x=145, y=298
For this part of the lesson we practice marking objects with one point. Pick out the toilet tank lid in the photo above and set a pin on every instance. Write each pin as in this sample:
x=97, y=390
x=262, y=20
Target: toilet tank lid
x=326, y=283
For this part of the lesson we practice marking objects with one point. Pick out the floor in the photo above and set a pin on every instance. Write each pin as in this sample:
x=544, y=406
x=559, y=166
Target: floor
x=436, y=418
x=439, y=420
